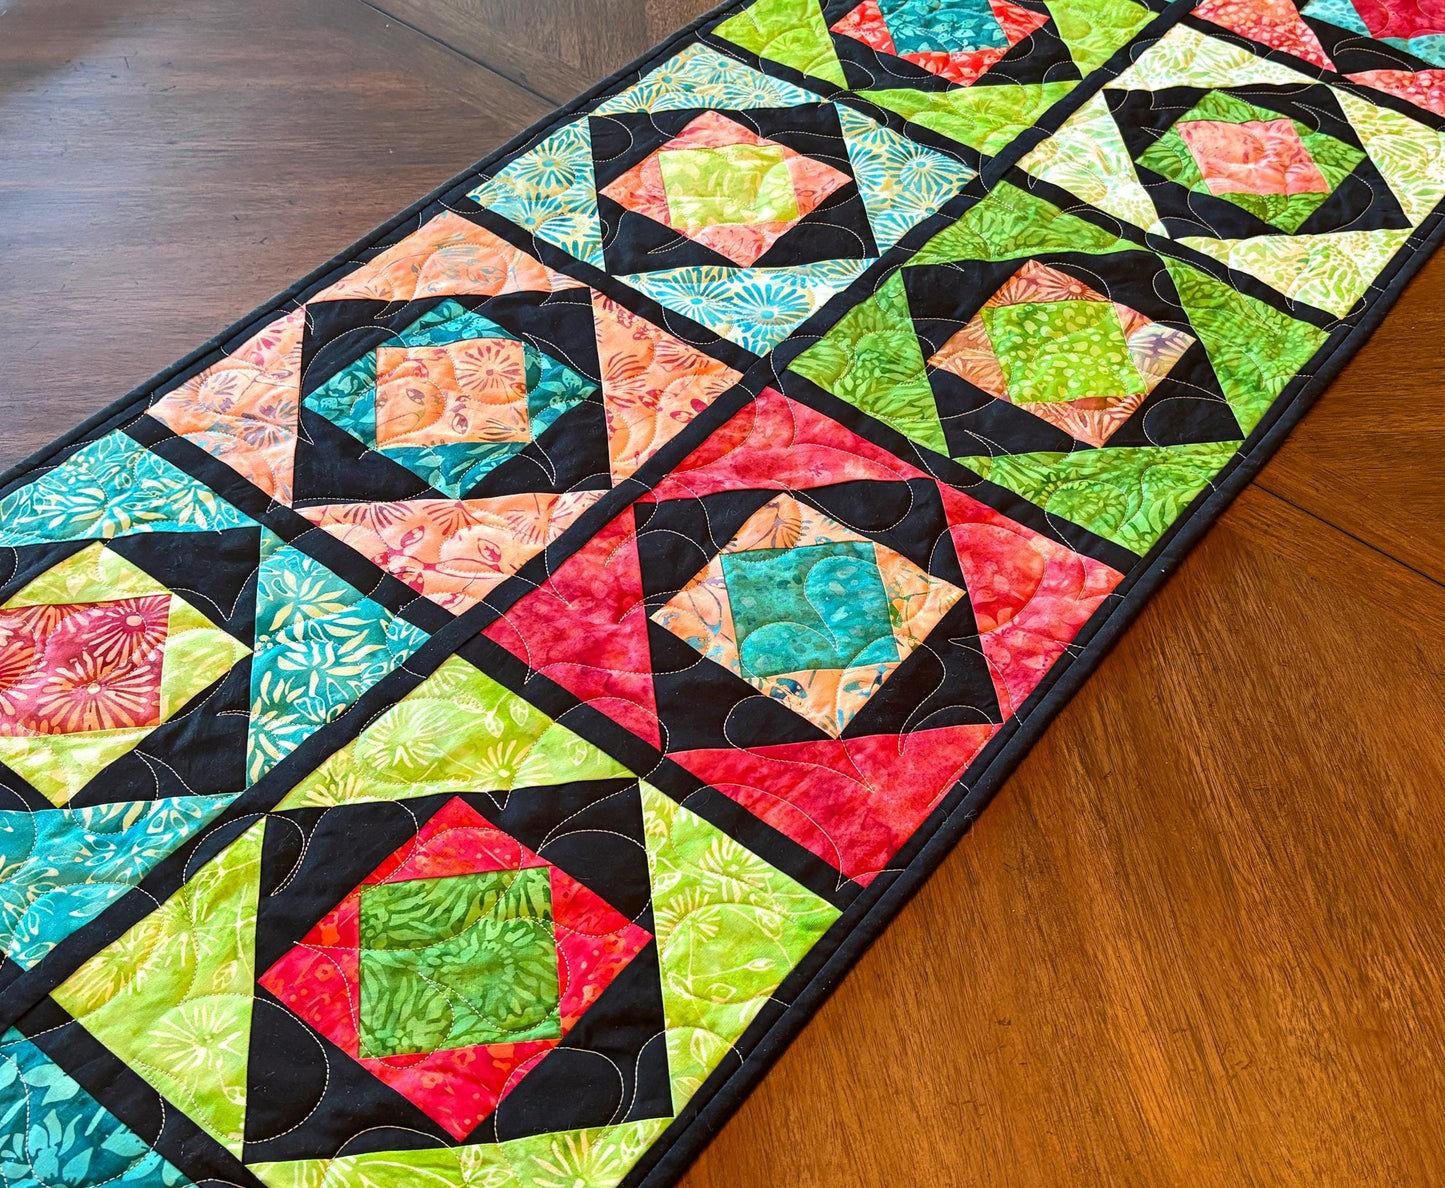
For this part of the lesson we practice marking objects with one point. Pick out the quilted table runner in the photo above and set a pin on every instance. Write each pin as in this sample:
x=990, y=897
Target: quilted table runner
x=455, y=726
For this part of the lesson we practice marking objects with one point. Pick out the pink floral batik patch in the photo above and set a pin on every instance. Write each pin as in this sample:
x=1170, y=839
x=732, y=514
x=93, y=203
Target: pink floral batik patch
x=1276, y=23
x=91, y=666
x=1256, y=157
x=455, y=551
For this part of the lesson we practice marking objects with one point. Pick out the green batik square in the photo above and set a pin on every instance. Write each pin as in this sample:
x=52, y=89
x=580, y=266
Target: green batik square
x=1288, y=212
x=1169, y=156
x=1335, y=159
x=452, y=962
x=734, y=183
x=800, y=610
x=1062, y=350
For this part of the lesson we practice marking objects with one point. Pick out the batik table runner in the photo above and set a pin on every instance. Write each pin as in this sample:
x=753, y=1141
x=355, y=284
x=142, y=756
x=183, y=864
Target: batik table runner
x=456, y=726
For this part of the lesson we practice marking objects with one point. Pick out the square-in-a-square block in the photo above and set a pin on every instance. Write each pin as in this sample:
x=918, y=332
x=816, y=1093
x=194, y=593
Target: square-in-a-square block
x=451, y=962
x=800, y=610
x=731, y=183
x=1062, y=350
x=1274, y=166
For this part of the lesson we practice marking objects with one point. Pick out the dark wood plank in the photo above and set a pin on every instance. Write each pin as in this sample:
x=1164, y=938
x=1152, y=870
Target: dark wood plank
x=1197, y=939
x=557, y=48
x=165, y=167
x=1367, y=458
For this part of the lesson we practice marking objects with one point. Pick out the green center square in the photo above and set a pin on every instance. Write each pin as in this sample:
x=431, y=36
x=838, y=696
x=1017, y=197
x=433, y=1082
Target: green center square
x=818, y=607
x=1062, y=350
x=735, y=183
x=452, y=962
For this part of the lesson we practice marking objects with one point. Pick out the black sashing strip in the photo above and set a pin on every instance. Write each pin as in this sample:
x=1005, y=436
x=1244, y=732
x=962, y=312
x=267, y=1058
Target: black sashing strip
x=812, y=980
x=651, y=765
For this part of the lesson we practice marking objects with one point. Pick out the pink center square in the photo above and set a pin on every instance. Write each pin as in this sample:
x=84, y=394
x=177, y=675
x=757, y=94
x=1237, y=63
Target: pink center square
x=1257, y=157
x=91, y=666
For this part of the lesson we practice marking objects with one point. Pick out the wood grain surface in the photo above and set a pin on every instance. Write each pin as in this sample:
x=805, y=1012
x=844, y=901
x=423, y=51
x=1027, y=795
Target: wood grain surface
x=1197, y=939
x=165, y=167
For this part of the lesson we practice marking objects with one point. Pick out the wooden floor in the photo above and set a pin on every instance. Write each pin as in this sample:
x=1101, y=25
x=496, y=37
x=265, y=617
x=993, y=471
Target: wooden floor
x=1199, y=938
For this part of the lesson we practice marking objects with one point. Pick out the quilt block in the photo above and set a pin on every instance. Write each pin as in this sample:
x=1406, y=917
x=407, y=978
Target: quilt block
x=457, y=727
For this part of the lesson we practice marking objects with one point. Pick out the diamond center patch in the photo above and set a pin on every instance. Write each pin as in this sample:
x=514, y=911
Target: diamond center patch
x=1254, y=157
x=451, y=962
x=94, y=655
x=956, y=41
x=725, y=187
x=733, y=183
x=1278, y=169
x=1064, y=352
x=925, y=26
x=808, y=612
x=456, y=965
x=819, y=607
x=95, y=666
x=469, y=391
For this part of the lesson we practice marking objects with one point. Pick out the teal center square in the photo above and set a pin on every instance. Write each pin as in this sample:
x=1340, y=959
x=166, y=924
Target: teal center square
x=942, y=26
x=1062, y=350
x=816, y=607
x=453, y=962
x=728, y=184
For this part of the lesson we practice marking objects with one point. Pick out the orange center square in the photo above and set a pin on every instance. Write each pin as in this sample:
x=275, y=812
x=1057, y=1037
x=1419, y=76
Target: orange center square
x=475, y=390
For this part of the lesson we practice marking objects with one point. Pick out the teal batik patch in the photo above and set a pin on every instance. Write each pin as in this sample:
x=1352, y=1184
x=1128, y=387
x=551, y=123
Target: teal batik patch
x=60, y=868
x=112, y=486
x=320, y=644
x=53, y=1134
x=942, y=26
x=811, y=608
